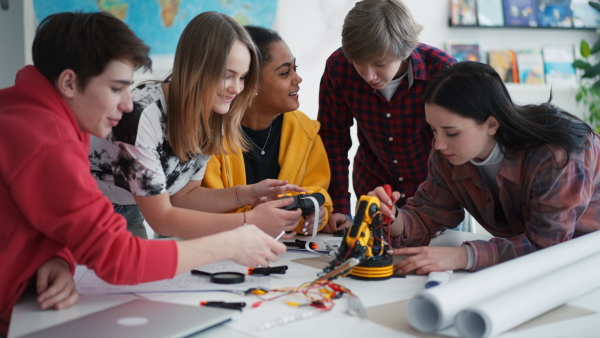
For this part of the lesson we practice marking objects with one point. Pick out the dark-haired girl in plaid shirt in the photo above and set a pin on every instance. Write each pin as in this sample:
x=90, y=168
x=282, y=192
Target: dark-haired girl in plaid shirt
x=530, y=175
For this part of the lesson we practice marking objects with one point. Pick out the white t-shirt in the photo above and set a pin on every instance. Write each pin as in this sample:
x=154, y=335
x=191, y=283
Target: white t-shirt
x=135, y=158
x=389, y=89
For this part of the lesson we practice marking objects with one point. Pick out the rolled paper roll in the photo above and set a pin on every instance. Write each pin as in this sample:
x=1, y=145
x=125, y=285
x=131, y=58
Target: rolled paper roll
x=499, y=314
x=434, y=309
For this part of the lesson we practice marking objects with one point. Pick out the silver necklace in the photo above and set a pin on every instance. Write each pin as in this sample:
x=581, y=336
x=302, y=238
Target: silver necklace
x=262, y=150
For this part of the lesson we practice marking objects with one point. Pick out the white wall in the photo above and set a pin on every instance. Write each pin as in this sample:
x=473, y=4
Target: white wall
x=12, y=42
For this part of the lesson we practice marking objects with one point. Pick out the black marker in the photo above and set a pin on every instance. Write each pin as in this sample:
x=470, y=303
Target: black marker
x=225, y=305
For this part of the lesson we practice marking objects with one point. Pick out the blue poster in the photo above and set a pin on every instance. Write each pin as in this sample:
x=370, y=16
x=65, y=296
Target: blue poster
x=159, y=23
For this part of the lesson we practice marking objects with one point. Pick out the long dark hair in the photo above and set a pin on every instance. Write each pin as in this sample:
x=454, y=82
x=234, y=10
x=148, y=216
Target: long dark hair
x=474, y=90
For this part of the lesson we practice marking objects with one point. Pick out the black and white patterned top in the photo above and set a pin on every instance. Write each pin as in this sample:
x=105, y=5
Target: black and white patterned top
x=135, y=158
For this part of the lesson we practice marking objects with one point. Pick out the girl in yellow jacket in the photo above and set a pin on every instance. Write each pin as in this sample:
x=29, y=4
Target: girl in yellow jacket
x=285, y=142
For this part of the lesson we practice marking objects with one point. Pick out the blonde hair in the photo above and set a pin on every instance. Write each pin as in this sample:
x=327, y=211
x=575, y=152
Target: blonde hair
x=198, y=74
x=379, y=29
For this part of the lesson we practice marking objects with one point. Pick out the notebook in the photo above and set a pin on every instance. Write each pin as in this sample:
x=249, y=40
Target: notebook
x=141, y=318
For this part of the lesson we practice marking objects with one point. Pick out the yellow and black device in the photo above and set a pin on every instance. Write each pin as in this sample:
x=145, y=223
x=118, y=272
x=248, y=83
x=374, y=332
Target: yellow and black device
x=362, y=253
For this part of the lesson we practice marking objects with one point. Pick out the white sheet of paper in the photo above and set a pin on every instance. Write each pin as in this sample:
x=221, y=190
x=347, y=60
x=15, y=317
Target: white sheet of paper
x=88, y=283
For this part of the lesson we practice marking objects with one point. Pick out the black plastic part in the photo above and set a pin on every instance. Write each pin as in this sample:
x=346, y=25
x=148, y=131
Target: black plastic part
x=360, y=214
x=301, y=201
x=339, y=233
x=373, y=209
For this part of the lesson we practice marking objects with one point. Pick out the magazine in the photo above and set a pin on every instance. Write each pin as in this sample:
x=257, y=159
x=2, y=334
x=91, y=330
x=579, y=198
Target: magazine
x=505, y=63
x=554, y=13
x=584, y=15
x=558, y=65
x=531, y=66
x=463, y=51
x=520, y=13
x=463, y=13
x=490, y=13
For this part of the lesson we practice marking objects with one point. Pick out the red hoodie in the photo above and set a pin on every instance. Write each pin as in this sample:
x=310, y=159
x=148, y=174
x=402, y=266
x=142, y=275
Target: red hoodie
x=50, y=204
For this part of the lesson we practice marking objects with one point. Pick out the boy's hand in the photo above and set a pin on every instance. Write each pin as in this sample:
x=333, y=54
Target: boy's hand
x=55, y=285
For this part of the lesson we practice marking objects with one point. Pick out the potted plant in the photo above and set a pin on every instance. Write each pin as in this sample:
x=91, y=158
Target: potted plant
x=589, y=87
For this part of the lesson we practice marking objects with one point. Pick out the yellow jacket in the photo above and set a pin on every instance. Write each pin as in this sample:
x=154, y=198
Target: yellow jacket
x=302, y=159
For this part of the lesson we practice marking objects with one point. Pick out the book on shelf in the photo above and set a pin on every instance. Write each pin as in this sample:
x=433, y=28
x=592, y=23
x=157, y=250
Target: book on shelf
x=554, y=13
x=584, y=15
x=530, y=64
x=463, y=13
x=505, y=64
x=558, y=65
x=520, y=13
x=490, y=13
x=463, y=51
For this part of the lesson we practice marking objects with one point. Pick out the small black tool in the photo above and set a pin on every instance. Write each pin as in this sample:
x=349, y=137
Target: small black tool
x=225, y=305
x=301, y=244
x=222, y=277
x=339, y=233
x=301, y=201
x=268, y=271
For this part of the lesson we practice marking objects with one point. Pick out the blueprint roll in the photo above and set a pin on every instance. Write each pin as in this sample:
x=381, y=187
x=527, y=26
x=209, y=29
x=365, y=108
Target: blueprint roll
x=498, y=314
x=434, y=309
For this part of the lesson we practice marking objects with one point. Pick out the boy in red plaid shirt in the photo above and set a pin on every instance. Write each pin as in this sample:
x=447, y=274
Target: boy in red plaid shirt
x=377, y=78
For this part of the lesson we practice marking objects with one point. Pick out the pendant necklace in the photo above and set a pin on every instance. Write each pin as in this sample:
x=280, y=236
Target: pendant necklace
x=262, y=150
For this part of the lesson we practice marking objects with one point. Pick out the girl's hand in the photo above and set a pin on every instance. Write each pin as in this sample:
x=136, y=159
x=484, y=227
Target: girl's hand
x=387, y=205
x=310, y=220
x=270, y=218
x=336, y=222
x=266, y=190
x=252, y=247
x=55, y=285
x=425, y=259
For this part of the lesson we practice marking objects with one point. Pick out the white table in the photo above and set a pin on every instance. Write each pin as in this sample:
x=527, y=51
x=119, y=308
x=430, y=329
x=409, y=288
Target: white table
x=28, y=318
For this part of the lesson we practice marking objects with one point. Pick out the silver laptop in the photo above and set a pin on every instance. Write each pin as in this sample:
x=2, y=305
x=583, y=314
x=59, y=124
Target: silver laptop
x=141, y=318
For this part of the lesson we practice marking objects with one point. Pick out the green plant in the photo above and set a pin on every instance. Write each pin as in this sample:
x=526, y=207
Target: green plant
x=589, y=86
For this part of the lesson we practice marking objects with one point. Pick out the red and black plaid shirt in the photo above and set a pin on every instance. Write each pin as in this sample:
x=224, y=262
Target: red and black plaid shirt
x=394, y=138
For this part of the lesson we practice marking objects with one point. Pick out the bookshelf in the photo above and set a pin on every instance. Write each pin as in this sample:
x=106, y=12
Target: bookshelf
x=518, y=38
x=496, y=27
x=563, y=14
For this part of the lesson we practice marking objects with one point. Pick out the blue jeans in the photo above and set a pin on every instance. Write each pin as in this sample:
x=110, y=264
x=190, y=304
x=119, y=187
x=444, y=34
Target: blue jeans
x=135, y=220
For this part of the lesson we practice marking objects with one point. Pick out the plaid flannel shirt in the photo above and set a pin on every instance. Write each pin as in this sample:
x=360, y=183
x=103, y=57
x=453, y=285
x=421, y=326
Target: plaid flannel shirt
x=545, y=200
x=394, y=137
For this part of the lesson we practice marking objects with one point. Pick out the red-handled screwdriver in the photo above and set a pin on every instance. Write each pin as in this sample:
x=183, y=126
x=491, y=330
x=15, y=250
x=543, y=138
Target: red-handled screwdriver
x=388, y=190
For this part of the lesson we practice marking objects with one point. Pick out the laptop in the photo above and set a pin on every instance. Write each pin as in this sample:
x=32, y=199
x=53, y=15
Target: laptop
x=141, y=318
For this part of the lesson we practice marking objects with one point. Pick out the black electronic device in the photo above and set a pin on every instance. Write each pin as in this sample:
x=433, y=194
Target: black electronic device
x=301, y=201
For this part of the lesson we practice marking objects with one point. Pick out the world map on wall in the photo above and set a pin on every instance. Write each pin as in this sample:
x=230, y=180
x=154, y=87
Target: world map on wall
x=159, y=23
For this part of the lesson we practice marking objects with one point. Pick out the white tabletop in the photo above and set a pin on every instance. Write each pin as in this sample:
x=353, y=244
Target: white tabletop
x=28, y=318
